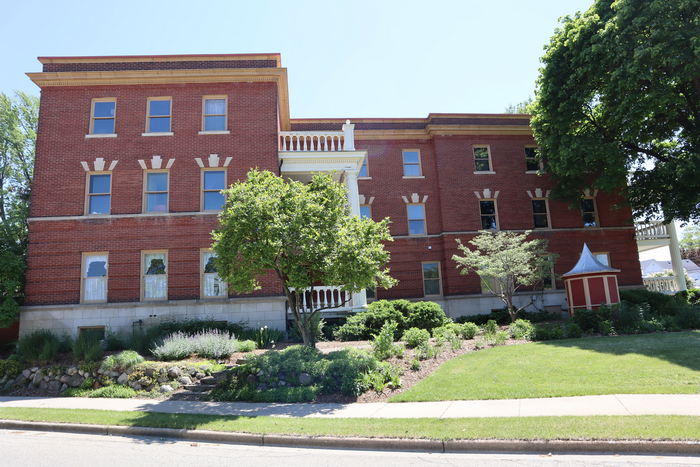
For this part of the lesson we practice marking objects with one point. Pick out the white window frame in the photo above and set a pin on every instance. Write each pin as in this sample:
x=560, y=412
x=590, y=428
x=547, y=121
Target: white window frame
x=84, y=278
x=204, y=275
x=490, y=171
x=91, y=128
x=147, y=131
x=202, y=190
x=403, y=163
x=425, y=220
x=89, y=195
x=495, y=208
x=144, y=207
x=226, y=130
x=546, y=206
x=143, y=276
x=439, y=278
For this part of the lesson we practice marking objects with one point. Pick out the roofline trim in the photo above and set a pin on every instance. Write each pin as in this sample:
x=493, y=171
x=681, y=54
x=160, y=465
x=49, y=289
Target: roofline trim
x=161, y=58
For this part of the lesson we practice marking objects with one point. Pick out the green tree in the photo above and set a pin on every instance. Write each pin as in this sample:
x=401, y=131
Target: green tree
x=690, y=243
x=618, y=104
x=18, y=122
x=505, y=261
x=302, y=232
x=520, y=108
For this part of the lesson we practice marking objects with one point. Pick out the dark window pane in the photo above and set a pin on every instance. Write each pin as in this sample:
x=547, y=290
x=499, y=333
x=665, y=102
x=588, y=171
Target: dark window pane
x=214, y=106
x=97, y=333
x=411, y=171
x=213, y=201
x=363, y=169
x=159, y=108
x=103, y=126
x=431, y=271
x=416, y=211
x=531, y=152
x=157, y=202
x=481, y=153
x=365, y=211
x=587, y=205
x=99, y=204
x=539, y=206
x=210, y=267
x=482, y=165
x=416, y=227
x=156, y=266
x=214, y=180
x=99, y=183
x=488, y=222
x=371, y=293
x=588, y=219
x=410, y=157
x=159, y=125
x=97, y=269
x=431, y=287
x=487, y=207
x=532, y=164
x=215, y=123
x=541, y=221
x=104, y=109
x=157, y=181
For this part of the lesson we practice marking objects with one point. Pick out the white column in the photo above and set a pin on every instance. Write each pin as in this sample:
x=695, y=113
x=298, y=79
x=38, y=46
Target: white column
x=349, y=136
x=676, y=260
x=359, y=299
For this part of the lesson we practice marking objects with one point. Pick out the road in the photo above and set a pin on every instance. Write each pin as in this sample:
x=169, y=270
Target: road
x=35, y=448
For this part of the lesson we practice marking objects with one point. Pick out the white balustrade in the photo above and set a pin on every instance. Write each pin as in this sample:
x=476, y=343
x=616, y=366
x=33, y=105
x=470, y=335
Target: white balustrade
x=651, y=231
x=331, y=298
x=311, y=141
x=665, y=284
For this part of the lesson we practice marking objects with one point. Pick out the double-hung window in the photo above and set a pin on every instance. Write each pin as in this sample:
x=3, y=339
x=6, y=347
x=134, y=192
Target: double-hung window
x=154, y=284
x=212, y=285
x=411, y=163
x=214, y=114
x=103, y=116
x=532, y=162
x=416, y=219
x=431, y=279
x=213, y=181
x=540, y=215
x=482, y=159
x=156, y=191
x=588, y=212
x=94, y=286
x=159, y=115
x=98, y=193
x=489, y=217
x=365, y=211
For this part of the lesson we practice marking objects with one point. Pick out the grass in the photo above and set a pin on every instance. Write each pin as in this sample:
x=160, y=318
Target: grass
x=646, y=427
x=662, y=363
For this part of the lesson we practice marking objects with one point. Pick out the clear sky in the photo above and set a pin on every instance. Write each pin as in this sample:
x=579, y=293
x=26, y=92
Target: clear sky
x=345, y=59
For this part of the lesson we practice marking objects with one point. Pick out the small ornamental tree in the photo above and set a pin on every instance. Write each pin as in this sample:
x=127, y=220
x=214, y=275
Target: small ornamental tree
x=505, y=261
x=302, y=232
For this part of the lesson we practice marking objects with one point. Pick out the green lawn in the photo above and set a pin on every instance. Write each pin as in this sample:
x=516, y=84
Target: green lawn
x=662, y=363
x=617, y=427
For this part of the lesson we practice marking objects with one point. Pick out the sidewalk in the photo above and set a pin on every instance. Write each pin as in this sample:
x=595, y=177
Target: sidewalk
x=616, y=404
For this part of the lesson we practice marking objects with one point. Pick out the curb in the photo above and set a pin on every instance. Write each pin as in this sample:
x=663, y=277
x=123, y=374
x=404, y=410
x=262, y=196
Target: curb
x=381, y=444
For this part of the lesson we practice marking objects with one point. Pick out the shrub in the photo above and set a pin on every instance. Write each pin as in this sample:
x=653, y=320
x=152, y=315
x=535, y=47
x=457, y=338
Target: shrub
x=365, y=324
x=468, y=330
x=521, y=329
x=490, y=328
x=343, y=373
x=114, y=391
x=113, y=342
x=573, y=330
x=414, y=337
x=415, y=364
x=497, y=338
x=245, y=346
x=545, y=332
x=627, y=318
x=9, y=368
x=688, y=317
x=692, y=296
x=426, y=351
x=39, y=346
x=123, y=361
x=607, y=328
x=503, y=318
x=425, y=315
x=650, y=325
x=214, y=344
x=659, y=303
x=383, y=344
x=87, y=347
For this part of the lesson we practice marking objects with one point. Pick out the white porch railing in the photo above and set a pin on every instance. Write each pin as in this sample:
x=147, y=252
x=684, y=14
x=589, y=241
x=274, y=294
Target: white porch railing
x=331, y=298
x=667, y=284
x=318, y=141
x=651, y=231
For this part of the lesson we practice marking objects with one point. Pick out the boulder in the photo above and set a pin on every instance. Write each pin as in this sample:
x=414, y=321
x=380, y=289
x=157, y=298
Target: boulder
x=64, y=387
x=199, y=375
x=75, y=381
x=212, y=380
x=64, y=379
x=43, y=385
x=174, y=372
x=35, y=369
x=305, y=379
x=166, y=388
x=37, y=378
x=26, y=373
x=184, y=380
x=123, y=378
x=71, y=371
x=54, y=386
x=149, y=371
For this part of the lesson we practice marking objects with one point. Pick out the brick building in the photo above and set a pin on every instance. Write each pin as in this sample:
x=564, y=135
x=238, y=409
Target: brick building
x=131, y=153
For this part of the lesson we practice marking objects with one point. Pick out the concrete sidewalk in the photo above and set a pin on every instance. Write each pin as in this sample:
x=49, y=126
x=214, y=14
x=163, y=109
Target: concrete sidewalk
x=616, y=404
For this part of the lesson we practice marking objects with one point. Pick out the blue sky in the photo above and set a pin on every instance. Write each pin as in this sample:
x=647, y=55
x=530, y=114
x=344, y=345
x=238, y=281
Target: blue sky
x=345, y=59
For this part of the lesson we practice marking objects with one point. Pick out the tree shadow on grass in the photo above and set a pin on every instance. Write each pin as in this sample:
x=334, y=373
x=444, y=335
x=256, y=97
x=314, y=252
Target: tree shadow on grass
x=679, y=348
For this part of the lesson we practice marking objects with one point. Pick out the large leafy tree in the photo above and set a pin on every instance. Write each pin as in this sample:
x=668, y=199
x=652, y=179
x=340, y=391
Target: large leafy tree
x=505, y=261
x=690, y=243
x=302, y=232
x=18, y=122
x=618, y=103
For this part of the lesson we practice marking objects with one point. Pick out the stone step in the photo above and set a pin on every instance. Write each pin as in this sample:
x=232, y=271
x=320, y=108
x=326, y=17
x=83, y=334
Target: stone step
x=199, y=387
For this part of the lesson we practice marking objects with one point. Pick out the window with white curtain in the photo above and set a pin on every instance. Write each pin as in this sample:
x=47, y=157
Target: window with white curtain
x=212, y=285
x=155, y=275
x=94, y=277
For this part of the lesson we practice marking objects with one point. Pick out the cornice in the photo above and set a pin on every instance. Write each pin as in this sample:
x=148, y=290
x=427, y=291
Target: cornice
x=161, y=58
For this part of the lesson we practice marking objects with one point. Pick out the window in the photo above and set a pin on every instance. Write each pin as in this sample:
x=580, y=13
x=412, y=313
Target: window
x=156, y=192
x=94, y=285
x=214, y=113
x=548, y=276
x=155, y=275
x=159, y=115
x=416, y=219
x=431, y=279
x=98, y=193
x=103, y=116
x=97, y=332
x=539, y=213
x=411, y=163
x=489, y=217
x=371, y=293
x=588, y=212
x=532, y=163
x=482, y=159
x=365, y=211
x=212, y=285
x=363, y=170
x=603, y=258
x=213, y=181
